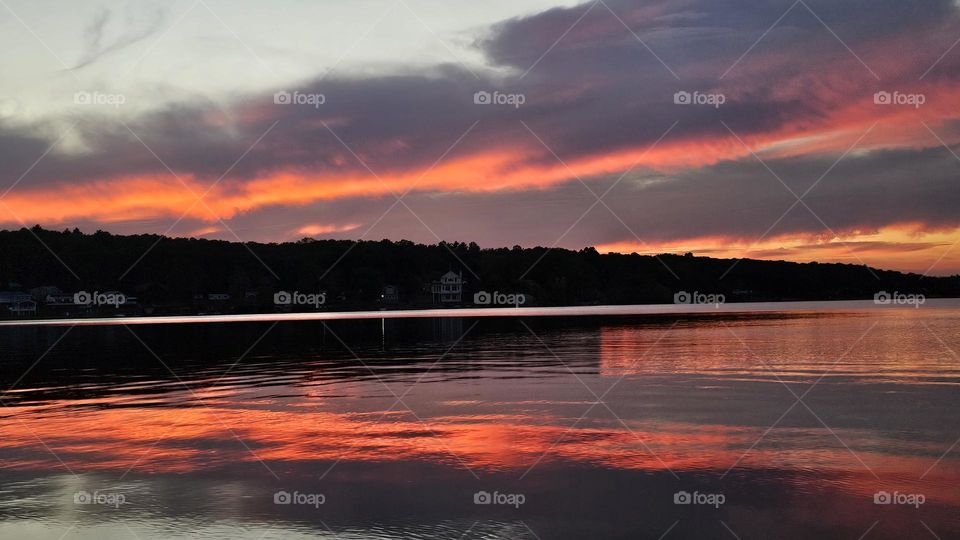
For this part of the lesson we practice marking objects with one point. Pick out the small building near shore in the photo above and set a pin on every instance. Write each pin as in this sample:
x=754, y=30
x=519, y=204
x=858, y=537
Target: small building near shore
x=390, y=295
x=448, y=289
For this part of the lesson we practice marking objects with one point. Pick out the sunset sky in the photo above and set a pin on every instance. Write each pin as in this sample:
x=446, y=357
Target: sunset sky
x=836, y=138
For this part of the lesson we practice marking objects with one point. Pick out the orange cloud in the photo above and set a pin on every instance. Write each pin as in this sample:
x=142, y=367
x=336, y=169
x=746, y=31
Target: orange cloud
x=907, y=247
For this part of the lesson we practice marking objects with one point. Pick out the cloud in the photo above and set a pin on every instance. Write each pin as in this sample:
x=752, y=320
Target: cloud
x=595, y=104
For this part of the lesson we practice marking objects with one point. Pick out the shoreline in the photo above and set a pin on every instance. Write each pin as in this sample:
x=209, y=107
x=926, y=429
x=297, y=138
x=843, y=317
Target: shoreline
x=557, y=311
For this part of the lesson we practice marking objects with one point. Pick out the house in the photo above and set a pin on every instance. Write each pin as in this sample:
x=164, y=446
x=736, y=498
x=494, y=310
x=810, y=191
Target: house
x=23, y=307
x=18, y=303
x=449, y=289
x=390, y=294
x=9, y=298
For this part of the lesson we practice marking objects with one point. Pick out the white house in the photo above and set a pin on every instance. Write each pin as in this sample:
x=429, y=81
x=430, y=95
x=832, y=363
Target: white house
x=449, y=290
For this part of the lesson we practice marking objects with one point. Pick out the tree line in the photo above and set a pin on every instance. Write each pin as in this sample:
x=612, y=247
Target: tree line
x=168, y=272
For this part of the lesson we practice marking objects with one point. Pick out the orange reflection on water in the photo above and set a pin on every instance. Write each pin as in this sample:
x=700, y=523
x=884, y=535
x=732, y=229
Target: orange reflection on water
x=206, y=437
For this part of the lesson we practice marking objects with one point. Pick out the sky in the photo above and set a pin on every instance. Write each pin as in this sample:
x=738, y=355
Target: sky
x=798, y=130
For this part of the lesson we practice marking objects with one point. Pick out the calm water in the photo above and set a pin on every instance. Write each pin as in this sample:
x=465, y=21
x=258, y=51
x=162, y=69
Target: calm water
x=776, y=425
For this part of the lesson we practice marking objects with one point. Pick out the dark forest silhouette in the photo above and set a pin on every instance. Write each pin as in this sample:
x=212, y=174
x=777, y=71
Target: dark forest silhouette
x=180, y=274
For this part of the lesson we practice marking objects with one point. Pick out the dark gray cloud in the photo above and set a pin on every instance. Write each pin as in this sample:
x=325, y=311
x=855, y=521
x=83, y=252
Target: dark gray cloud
x=599, y=90
x=738, y=200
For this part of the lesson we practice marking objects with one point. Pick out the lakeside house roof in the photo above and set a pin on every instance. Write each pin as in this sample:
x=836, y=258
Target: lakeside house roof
x=451, y=276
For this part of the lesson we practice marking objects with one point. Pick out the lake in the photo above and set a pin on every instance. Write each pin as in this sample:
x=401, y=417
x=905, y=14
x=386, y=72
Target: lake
x=813, y=421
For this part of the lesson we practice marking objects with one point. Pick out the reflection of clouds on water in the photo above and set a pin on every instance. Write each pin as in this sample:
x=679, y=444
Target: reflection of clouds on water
x=692, y=399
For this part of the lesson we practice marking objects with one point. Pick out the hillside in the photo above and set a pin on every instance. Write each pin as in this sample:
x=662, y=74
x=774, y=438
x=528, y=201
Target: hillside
x=181, y=275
